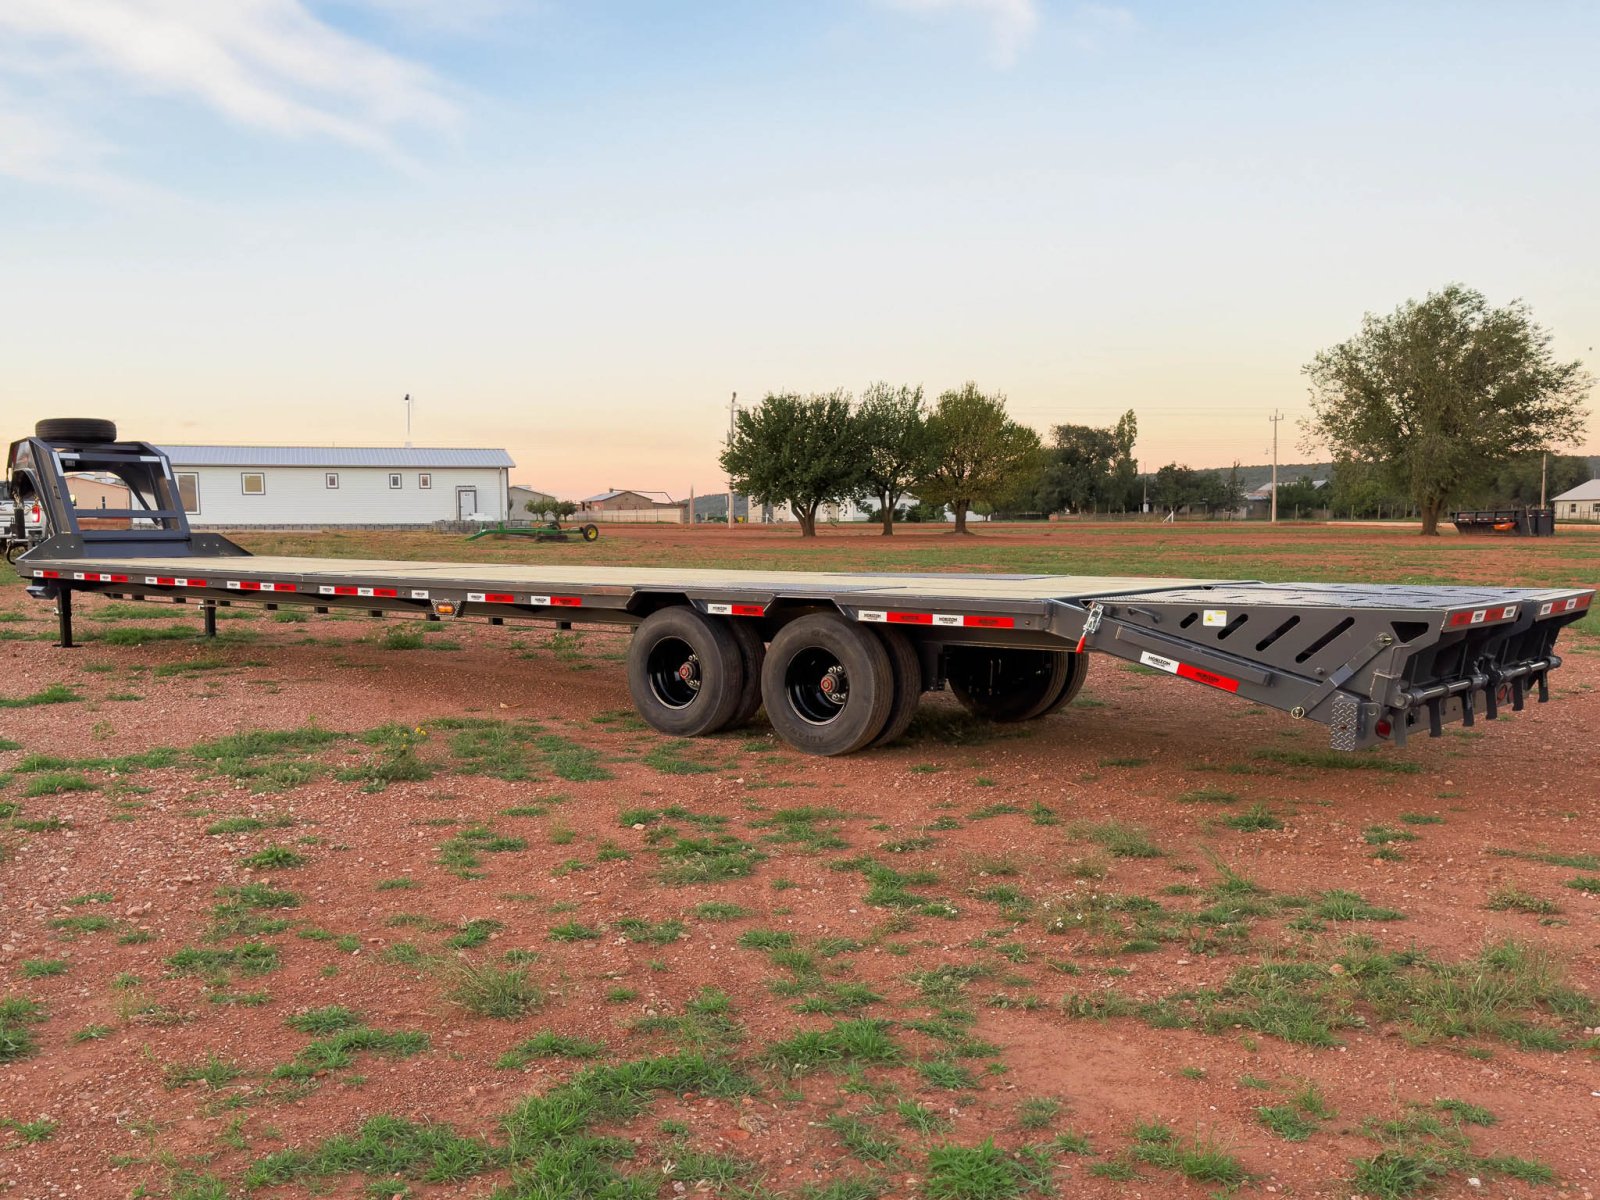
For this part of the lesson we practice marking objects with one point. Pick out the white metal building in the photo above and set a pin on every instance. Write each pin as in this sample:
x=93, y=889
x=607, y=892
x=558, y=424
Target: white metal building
x=319, y=486
x=1581, y=503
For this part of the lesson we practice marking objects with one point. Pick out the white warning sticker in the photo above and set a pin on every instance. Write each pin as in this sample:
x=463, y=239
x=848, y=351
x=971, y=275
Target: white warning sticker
x=1169, y=665
x=1215, y=616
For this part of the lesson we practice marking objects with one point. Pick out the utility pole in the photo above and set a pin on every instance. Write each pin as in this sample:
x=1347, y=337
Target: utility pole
x=1275, y=418
x=1544, y=472
x=733, y=412
x=408, y=403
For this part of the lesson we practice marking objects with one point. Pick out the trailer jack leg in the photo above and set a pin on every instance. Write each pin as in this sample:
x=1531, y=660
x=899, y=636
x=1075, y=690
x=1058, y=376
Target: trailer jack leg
x=208, y=611
x=64, y=618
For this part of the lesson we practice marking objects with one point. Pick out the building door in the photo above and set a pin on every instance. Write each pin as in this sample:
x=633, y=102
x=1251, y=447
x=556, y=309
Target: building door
x=466, y=503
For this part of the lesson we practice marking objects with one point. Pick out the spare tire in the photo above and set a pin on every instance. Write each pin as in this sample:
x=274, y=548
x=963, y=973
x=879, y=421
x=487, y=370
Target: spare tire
x=76, y=429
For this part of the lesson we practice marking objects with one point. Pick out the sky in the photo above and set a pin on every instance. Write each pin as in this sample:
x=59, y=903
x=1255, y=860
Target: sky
x=574, y=228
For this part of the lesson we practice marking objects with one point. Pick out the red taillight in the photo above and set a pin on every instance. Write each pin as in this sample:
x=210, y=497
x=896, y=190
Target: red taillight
x=1383, y=728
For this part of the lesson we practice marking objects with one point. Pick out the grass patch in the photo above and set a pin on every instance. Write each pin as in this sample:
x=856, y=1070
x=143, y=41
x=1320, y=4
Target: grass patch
x=56, y=693
x=504, y=993
x=1336, y=760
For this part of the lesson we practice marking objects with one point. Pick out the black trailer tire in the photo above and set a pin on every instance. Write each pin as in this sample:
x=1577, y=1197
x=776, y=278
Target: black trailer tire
x=1077, y=672
x=753, y=655
x=1007, y=685
x=907, y=666
x=76, y=429
x=590, y=533
x=828, y=685
x=684, y=672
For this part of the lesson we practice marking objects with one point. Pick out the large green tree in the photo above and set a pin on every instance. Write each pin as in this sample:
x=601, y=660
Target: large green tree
x=1441, y=392
x=892, y=425
x=977, y=453
x=804, y=451
x=1078, y=467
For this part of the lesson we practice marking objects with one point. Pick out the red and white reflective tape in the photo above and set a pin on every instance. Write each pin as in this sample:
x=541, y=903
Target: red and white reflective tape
x=737, y=610
x=1187, y=671
x=492, y=597
x=881, y=616
x=174, y=581
x=1482, y=616
x=1547, y=609
x=47, y=574
x=96, y=577
x=256, y=585
x=418, y=594
x=341, y=590
x=553, y=601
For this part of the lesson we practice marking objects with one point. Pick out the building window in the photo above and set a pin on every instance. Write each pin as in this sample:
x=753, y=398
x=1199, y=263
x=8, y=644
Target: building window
x=394, y=479
x=331, y=480
x=189, y=491
x=253, y=483
x=425, y=481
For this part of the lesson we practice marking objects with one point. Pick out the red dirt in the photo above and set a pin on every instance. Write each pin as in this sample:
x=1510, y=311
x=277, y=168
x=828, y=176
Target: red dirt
x=1526, y=786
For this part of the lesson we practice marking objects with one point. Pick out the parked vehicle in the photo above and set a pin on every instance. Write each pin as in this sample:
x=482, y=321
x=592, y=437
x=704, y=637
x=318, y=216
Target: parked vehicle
x=841, y=660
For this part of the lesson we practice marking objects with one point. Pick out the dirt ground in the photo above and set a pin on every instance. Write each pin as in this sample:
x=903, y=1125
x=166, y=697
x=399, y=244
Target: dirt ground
x=1156, y=945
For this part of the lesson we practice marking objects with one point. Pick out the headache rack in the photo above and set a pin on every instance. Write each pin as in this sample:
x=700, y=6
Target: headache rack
x=1373, y=662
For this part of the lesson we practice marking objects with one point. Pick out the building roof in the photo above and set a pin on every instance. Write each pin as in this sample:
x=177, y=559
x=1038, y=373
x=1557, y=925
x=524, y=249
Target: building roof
x=1584, y=491
x=648, y=497
x=1264, y=492
x=333, y=456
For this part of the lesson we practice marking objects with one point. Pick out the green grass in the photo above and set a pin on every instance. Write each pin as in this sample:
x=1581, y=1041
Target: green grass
x=1255, y=819
x=504, y=993
x=547, y=1045
x=982, y=1172
x=55, y=783
x=1515, y=899
x=31, y=1132
x=274, y=858
x=1336, y=760
x=323, y=1020
x=1202, y=1161
x=573, y=931
x=1584, y=883
x=845, y=1043
x=214, y=1072
x=56, y=693
x=1207, y=795
x=657, y=933
x=17, y=1015
x=713, y=859
x=719, y=910
x=250, y=959
x=1121, y=839
x=43, y=968
x=473, y=934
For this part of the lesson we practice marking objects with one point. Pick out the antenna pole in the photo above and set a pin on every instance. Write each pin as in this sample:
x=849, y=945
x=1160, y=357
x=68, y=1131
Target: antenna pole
x=1275, y=418
x=733, y=411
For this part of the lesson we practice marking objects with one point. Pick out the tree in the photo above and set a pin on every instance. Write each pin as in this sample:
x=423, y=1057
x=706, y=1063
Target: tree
x=1077, y=469
x=1175, y=486
x=893, y=428
x=976, y=452
x=1125, y=491
x=803, y=451
x=1441, y=392
x=1230, y=492
x=1303, y=493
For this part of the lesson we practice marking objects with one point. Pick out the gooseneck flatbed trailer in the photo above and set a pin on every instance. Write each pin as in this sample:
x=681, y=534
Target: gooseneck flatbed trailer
x=841, y=660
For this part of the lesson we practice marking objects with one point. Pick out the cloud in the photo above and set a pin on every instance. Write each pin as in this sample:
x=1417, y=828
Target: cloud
x=1011, y=22
x=267, y=65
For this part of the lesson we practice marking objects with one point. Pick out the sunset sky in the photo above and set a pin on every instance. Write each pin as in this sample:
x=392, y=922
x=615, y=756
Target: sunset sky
x=573, y=227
